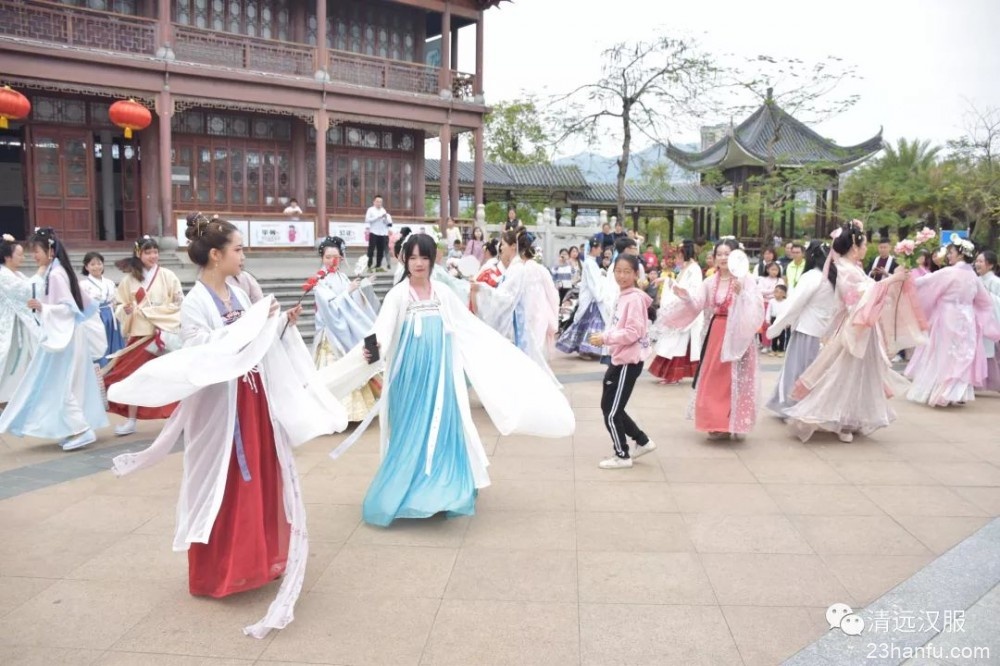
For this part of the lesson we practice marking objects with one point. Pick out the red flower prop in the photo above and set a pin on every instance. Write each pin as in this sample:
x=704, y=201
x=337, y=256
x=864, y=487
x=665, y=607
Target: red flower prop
x=307, y=287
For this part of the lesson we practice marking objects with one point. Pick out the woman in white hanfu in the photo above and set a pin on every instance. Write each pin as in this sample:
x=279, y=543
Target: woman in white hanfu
x=846, y=390
x=952, y=363
x=59, y=396
x=812, y=307
x=432, y=457
x=594, y=306
x=19, y=330
x=343, y=315
x=524, y=306
x=101, y=290
x=245, y=385
x=678, y=350
x=986, y=266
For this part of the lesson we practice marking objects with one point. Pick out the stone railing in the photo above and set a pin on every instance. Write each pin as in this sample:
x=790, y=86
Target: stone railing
x=77, y=27
x=362, y=70
x=239, y=52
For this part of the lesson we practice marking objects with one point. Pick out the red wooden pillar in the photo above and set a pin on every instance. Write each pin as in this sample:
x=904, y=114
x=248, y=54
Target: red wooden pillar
x=321, y=122
x=478, y=168
x=165, y=112
x=477, y=87
x=445, y=175
x=444, y=74
x=164, y=30
x=454, y=209
x=322, y=57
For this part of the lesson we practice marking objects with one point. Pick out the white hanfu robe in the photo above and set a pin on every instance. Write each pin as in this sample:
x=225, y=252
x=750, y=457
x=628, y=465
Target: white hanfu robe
x=19, y=330
x=524, y=308
x=203, y=375
x=59, y=395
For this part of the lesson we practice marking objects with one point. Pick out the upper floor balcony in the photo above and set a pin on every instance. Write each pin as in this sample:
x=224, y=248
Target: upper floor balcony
x=120, y=34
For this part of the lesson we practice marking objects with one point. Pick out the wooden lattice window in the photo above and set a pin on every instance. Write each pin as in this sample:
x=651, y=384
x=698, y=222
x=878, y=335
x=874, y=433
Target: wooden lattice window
x=353, y=179
x=383, y=31
x=128, y=7
x=231, y=174
x=269, y=19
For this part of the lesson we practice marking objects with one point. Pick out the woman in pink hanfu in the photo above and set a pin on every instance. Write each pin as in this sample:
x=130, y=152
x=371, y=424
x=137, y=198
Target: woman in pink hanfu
x=952, y=363
x=726, y=385
x=847, y=388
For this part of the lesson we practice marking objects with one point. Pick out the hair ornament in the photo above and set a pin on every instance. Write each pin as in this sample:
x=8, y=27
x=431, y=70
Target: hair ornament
x=965, y=247
x=8, y=238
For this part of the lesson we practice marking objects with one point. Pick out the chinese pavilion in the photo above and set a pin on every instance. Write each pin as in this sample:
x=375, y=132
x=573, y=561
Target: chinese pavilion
x=254, y=103
x=772, y=139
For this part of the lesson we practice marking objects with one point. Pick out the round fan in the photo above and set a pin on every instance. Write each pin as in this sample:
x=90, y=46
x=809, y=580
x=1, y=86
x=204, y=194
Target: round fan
x=739, y=264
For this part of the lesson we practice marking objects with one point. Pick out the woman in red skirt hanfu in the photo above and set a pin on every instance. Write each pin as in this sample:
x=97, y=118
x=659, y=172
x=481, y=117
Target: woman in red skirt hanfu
x=244, y=380
x=149, y=299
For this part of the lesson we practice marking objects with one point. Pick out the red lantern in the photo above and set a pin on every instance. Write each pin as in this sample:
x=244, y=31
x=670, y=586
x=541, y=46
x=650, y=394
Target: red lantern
x=13, y=105
x=130, y=115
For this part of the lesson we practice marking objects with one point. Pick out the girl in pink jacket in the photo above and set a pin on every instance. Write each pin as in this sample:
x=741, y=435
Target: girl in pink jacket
x=627, y=341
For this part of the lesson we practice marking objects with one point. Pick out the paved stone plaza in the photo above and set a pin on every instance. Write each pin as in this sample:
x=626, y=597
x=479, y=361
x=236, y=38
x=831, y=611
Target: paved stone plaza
x=703, y=553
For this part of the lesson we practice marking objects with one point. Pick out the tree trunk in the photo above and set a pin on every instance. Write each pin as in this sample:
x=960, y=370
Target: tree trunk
x=623, y=162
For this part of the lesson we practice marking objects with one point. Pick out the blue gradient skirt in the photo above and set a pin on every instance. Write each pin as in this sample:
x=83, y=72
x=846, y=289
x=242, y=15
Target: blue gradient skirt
x=402, y=488
x=575, y=338
x=113, y=332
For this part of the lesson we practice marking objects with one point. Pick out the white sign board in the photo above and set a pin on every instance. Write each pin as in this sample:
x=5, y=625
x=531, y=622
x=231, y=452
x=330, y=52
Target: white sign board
x=242, y=225
x=271, y=233
x=353, y=233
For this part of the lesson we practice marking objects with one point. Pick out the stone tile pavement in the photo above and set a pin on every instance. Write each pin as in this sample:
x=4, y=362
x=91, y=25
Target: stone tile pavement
x=703, y=553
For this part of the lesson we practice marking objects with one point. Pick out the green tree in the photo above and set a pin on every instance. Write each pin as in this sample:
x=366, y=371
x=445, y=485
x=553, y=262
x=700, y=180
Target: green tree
x=642, y=89
x=514, y=133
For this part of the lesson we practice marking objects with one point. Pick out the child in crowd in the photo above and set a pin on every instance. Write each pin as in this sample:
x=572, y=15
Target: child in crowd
x=627, y=340
x=775, y=309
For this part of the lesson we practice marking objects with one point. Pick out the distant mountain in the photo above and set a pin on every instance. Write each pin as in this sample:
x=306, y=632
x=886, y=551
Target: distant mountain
x=602, y=169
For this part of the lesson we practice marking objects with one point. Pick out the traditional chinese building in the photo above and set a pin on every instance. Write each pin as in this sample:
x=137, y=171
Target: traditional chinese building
x=772, y=139
x=255, y=102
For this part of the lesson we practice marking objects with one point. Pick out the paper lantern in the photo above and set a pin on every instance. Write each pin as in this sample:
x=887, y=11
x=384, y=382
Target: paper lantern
x=13, y=106
x=130, y=115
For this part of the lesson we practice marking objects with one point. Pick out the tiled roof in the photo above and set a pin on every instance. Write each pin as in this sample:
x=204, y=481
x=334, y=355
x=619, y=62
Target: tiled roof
x=797, y=145
x=507, y=175
x=674, y=194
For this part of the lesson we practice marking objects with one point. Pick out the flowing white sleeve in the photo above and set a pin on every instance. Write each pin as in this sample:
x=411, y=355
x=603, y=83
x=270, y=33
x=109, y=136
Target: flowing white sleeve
x=796, y=303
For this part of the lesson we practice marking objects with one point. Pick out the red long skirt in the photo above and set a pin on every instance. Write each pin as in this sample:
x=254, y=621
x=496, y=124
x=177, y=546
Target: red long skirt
x=672, y=370
x=124, y=367
x=714, y=394
x=248, y=547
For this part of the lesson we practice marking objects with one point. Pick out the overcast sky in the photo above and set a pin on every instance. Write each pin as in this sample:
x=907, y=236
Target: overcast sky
x=922, y=61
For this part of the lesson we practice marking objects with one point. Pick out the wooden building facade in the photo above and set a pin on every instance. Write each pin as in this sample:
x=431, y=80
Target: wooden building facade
x=254, y=103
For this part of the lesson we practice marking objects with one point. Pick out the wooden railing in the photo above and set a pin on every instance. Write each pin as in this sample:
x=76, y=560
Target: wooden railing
x=463, y=86
x=240, y=52
x=363, y=70
x=74, y=26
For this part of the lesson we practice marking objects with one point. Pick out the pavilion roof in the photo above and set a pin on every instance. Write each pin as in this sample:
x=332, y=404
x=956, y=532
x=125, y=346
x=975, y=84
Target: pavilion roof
x=509, y=176
x=674, y=194
x=748, y=144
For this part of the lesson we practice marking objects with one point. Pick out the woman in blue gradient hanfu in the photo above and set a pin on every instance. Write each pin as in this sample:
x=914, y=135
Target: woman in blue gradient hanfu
x=433, y=460
x=59, y=397
x=19, y=328
x=345, y=312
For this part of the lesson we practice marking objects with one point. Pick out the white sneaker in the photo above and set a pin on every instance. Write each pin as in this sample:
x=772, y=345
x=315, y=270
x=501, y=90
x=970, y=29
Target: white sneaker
x=80, y=441
x=126, y=428
x=845, y=436
x=640, y=451
x=615, y=462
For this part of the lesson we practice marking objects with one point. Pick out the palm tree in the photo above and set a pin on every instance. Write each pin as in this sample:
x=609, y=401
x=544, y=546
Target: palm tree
x=911, y=156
